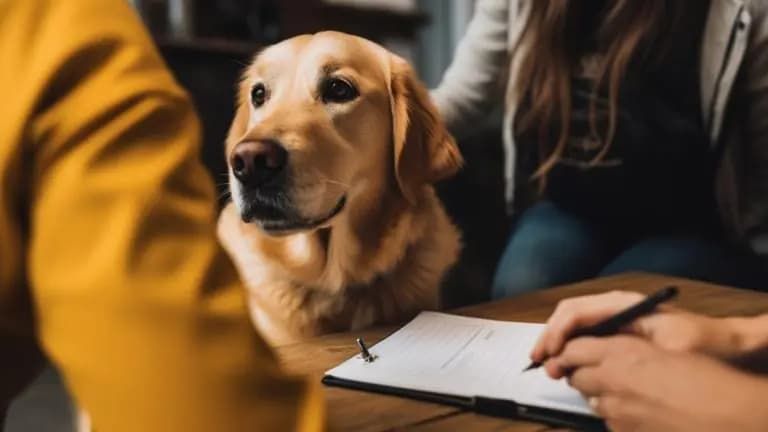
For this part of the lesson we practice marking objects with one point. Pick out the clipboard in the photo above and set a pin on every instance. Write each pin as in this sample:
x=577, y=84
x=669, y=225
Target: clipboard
x=370, y=371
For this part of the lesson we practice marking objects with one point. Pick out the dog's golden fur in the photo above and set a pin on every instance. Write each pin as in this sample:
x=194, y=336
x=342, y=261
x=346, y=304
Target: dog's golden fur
x=382, y=258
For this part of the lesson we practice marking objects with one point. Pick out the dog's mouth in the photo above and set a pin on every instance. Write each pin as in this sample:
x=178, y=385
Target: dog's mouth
x=286, y=225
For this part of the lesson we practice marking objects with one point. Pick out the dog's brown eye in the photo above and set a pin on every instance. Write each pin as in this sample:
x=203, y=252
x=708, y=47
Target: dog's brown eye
x=258, y=95
x=337, y=90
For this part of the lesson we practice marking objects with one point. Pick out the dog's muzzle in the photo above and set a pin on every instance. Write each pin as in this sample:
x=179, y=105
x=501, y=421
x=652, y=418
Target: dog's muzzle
x=277, y=226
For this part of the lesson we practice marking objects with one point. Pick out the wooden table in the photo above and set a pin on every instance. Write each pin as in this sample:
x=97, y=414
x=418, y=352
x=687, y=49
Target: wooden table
x=357, y=411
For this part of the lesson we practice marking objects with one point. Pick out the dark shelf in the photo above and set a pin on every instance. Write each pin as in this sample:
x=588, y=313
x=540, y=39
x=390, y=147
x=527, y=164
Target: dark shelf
x=209, y=45
x=396, y=21
x=310, y=16
x=302, y=16
x=372, y=22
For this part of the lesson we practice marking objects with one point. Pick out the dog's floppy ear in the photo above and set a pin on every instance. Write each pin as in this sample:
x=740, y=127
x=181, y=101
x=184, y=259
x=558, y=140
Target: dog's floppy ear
x=424, y=151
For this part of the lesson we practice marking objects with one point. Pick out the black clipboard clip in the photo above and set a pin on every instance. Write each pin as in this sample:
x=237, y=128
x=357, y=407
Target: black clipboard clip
x=364, y=353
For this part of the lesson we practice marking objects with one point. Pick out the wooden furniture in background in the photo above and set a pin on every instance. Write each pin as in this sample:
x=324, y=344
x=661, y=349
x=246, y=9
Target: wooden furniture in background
x=356, y=411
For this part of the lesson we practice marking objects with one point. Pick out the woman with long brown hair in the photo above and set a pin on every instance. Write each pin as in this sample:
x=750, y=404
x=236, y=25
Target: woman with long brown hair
x=636, y=135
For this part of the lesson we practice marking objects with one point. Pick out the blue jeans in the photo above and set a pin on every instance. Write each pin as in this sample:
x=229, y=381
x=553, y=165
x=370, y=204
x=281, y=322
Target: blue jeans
x=549, y=246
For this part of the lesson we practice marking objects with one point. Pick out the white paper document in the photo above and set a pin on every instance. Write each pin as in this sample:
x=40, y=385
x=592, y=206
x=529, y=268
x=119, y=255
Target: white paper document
x=466, y=357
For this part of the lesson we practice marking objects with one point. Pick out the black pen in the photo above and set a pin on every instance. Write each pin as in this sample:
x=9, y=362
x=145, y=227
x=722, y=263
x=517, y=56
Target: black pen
x=614, y=324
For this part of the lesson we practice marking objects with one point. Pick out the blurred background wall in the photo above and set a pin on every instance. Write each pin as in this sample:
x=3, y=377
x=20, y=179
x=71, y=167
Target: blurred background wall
x=437, y=39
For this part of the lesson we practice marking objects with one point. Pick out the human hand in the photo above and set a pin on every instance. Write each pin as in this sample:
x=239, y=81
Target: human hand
x=670, y=328
x=636, y=386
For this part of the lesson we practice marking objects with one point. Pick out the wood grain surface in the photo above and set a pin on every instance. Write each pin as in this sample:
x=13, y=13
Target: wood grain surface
x=357, y=411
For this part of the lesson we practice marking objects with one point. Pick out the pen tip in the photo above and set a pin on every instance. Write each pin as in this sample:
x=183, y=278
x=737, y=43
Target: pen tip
x=533, y=365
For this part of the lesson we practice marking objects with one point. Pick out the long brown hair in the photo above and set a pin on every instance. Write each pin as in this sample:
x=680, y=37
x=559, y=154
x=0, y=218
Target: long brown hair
x=625, y=31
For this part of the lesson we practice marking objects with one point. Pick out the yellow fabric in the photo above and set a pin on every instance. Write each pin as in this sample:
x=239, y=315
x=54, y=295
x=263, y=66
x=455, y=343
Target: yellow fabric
x=108, y=255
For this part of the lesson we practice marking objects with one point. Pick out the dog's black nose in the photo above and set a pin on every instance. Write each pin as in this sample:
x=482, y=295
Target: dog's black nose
x=255, y=163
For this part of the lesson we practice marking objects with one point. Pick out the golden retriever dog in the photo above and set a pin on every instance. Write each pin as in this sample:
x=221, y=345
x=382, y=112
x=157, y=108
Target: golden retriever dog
x=334, y=224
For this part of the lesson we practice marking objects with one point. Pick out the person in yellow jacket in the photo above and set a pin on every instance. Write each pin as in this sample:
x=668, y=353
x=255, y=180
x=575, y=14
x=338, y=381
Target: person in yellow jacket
x=109, y=263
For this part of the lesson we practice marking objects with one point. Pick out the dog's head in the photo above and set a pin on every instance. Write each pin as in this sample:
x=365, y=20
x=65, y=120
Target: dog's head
x=324, y=121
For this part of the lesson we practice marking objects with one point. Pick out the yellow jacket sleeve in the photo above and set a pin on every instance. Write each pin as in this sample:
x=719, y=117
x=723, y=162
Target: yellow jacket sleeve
x=133, y=298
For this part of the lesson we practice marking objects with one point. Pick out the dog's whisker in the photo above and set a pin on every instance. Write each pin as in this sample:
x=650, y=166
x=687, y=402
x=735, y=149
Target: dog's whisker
x=336, y=182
